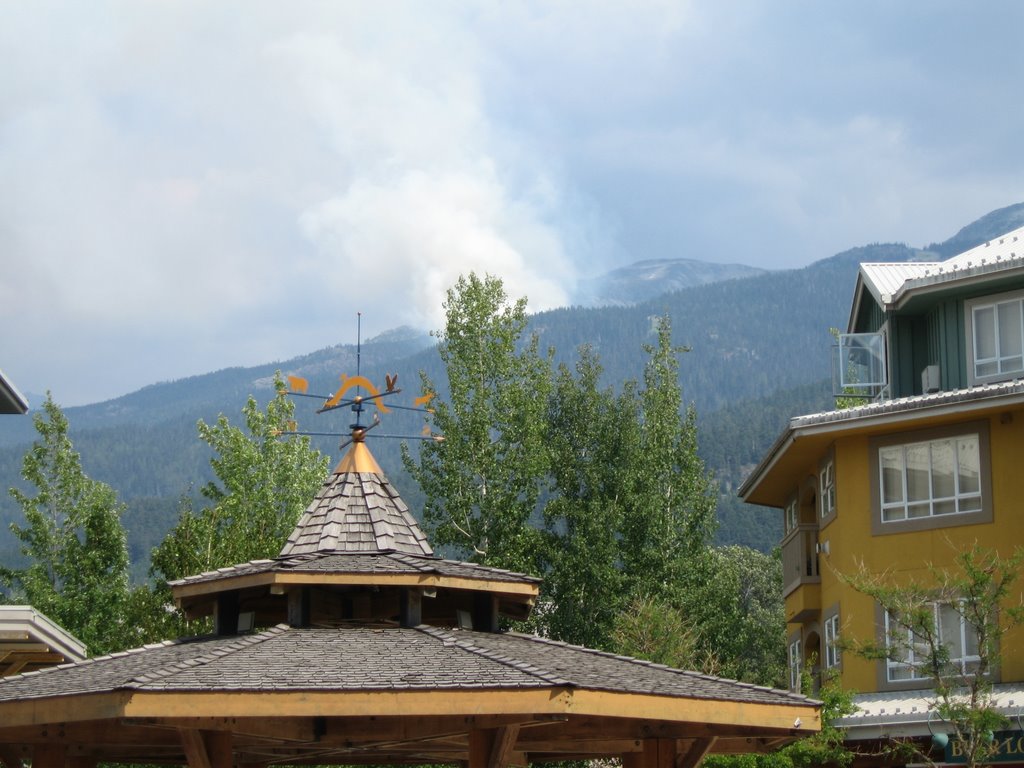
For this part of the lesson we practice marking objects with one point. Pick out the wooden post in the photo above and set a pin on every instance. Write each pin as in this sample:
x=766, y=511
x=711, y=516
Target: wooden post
x=485, y=612
x=410, y=608
x=481, y=741
x=696, y=753
x=207, y=749
x=657, y=753
x=225, y=619
x=492, y=747
x=299, y=607
x=49, y=756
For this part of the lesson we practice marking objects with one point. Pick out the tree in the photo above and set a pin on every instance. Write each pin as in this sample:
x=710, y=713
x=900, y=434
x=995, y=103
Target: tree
x=483, y=481
x=77, y=572
x=593, y=442
x=669, y=514
x=734, y=595
x=264, y=482
x=974, y=594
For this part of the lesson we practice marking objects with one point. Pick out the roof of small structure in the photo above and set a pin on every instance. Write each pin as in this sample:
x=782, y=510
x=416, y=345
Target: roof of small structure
x=344, y=682
x=11, y=400
x=357, y=510
x=30, y=641
x=320, y=694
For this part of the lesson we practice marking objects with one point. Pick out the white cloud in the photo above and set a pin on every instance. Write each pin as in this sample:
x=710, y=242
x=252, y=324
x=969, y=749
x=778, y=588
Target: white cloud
x=190, y=185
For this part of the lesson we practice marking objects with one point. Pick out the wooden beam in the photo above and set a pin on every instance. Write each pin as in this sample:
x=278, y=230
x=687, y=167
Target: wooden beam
x=207, y=749
x=195, y=748
x=509, y=589
x=49, y=756
x=691, y=757
x=504, y=743
x=656, y=753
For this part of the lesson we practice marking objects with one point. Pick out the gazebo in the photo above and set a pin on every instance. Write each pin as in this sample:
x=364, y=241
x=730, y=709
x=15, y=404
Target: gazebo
x=359, y=645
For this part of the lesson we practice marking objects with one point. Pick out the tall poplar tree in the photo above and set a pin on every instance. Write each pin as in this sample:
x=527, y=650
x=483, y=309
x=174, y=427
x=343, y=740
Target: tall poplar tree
x=483, y=481
x=77, y=571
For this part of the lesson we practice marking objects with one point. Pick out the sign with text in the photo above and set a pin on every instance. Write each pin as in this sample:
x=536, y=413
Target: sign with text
x=1009, y=748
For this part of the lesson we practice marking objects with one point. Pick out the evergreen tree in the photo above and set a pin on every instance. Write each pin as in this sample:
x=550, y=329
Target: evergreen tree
x=77, y=572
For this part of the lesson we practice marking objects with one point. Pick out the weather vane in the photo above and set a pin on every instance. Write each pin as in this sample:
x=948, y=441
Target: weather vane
x=299, y=387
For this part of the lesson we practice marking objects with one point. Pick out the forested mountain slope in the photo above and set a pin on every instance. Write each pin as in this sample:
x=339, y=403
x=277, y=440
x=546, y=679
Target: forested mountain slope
x=759, y=354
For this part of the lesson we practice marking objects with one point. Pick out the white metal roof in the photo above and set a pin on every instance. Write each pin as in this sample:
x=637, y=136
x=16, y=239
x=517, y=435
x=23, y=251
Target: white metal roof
x=891, y=283
x=884, y=279
x=911, y=713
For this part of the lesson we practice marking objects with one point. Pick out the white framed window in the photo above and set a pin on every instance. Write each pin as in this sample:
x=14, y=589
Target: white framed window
x=827, y=489
x=795, y=665
x=792, y=515
x=995, y=337
x=911, y=657
x=832, y=653
x=930, y=478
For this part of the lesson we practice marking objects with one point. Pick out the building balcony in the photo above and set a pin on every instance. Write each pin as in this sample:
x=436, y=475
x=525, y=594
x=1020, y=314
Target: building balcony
x=800, y=560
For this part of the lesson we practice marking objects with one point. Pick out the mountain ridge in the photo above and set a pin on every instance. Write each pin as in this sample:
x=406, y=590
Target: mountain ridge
x=759, y=353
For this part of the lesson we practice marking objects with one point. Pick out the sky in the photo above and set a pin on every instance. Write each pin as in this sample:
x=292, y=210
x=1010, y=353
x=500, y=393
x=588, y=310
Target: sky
x=191, y=185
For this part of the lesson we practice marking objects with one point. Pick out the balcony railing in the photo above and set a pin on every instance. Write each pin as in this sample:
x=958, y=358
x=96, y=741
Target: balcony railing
x=859, y=365
x=800, y=558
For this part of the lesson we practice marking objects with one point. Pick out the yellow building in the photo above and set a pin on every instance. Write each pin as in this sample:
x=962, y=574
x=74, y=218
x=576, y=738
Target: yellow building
x=931, y=463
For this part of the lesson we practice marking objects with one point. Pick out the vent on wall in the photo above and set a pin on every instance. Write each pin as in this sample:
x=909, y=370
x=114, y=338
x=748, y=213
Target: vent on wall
x=930, y=379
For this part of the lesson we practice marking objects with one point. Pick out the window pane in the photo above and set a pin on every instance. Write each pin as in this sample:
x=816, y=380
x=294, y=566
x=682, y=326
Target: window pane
x=918, y=487
x=949, y=631
x=969, y=464
x=971, y=504
x=943, y=468
x=891, y=462
x=971, y=635
x=1011, y=364
x=984, y=334
x=919, y=510
x=1009, y=331
x=947, y=507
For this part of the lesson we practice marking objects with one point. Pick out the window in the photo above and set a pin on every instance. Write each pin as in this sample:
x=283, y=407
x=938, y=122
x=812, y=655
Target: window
x=951, y=629
x=995, y=335
x=827, y=489
x=929, y=478
x=791, y=515
x=795, y=666
x=832, y=654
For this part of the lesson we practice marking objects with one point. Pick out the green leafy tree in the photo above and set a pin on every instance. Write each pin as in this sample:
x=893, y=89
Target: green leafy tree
x=264, y=482
x=77, y=572
x=669, y=514
x=483, y=481
x=977, y=591
x=734, y=595
x=593, y=439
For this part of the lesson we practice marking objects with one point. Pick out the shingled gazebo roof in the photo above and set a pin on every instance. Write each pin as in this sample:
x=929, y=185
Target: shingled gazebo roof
x=369, y=649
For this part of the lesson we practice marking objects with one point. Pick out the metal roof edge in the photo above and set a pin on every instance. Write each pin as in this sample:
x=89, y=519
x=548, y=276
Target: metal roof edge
x=11, y=398
x=887, y=412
